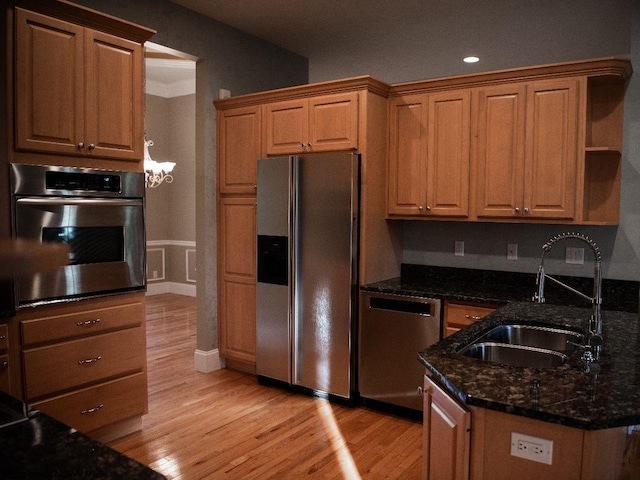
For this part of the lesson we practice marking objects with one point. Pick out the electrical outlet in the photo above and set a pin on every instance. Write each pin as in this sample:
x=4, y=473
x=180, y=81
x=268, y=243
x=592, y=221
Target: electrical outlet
x=155, y=274
x=512, y=251
x=531, y=448
x=224, y=93
x=574, y=256
x=459, y=249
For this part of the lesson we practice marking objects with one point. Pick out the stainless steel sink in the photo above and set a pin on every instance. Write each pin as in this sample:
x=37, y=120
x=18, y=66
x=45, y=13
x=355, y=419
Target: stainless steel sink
x=515, y=355
x=524, y=346
x=557, y=339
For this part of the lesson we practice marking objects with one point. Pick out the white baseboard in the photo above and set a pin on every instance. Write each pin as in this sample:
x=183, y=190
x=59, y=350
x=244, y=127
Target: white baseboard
x=157, y=288
x=207, y=361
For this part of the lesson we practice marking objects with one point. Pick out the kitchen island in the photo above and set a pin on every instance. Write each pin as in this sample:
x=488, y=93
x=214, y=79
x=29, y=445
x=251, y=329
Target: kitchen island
x=40, y=447
x=585, y=414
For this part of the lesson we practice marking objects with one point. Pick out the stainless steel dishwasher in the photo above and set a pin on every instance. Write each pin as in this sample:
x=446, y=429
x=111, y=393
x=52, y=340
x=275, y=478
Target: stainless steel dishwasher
x=393, y=329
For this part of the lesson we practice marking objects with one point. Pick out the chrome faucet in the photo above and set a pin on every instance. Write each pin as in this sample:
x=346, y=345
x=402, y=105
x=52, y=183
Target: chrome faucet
x=595, y=323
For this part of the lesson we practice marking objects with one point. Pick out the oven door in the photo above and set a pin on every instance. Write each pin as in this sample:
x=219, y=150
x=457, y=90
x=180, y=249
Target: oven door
x=106, y=240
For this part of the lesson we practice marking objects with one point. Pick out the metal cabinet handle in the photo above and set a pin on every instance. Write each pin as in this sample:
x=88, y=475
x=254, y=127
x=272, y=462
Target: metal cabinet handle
x=420, y=391
x=2, y=337
x=526, y=210
x=88, y=322
x=419, y=207
x=309, y=145
x=304, y=145
x=80, y=145
x=4, y=365
x=428, y=208
x=92, y=410
x=517, y=210
x=89, y=360
x=91, y=146
x=472, y=317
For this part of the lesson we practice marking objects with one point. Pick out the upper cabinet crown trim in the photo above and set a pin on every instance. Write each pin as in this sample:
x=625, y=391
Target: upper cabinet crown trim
x=87, y=17
x=601, y=67
x=305, y=91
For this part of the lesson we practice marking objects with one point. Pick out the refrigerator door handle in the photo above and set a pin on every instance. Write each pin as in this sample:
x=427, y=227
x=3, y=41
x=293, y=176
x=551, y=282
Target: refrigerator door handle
x=293, y=235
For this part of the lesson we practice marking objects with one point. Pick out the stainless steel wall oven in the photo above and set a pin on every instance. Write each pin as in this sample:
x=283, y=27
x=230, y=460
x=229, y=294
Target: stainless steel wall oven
x=99, y=214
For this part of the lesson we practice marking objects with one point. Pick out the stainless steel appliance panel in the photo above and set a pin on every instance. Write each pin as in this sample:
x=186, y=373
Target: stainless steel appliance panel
x=90, y=211
x=393, y=330
x=311, y=337
x=325, y=232
x=273, y=344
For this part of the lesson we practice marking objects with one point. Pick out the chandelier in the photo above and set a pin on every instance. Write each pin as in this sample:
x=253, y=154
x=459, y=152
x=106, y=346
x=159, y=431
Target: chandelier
x=155, y=172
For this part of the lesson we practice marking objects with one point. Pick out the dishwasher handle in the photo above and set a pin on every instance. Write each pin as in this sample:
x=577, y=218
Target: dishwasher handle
x=421, y=306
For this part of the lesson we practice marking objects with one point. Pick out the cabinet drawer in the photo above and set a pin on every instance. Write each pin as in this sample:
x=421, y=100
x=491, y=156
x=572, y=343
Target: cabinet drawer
x=98, y=406
x=62, y=366
x=77, y=324
x=460, y=315
x=4, y=335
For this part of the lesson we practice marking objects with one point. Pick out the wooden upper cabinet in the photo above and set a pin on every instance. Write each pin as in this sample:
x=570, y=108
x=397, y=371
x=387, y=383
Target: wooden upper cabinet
x=77, y=91
x=238, y=150
x=318, y=124
x=499, y=151
x=114, y=91
x=550, y=149
x=429, y=154
x=49, y=84
x=526, y=151
x=407, y=176
x=448, y=154
x=333, y=122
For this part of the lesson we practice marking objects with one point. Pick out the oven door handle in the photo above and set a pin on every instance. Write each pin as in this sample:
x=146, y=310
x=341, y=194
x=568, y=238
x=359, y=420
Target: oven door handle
x=119, y=202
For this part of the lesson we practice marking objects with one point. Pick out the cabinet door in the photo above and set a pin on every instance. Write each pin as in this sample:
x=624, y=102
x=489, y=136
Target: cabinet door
x=550, y=154
x=286, y=127
x=238, y=150
x=407, y=177
x=333, y=122
x=114, y=97
x=499, y=151
x=49, y=84
x=446, y=436
x=448, y=154
x=237, y=279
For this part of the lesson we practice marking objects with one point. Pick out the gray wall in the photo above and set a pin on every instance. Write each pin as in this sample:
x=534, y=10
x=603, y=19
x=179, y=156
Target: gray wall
x=228, y=59
x=508, y=34
x=171, y=207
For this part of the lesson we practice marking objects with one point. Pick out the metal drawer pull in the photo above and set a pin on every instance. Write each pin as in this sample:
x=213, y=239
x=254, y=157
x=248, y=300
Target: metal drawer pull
x=88, y=322
x=92, y=410
x=473, y=317
x=2, y=337
x=4, y=365
x=89, y=360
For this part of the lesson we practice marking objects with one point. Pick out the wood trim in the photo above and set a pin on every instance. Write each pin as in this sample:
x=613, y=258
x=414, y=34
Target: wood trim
x=306, y=91
x=87, y=17
x=610, y=66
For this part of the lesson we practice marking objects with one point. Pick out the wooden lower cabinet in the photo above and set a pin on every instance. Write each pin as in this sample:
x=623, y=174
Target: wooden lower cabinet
x=5, y=378
x=100, y=405
x=237, y=280
x=462, y=442
x=84, y=363
x=445, y=437
x=459, y=315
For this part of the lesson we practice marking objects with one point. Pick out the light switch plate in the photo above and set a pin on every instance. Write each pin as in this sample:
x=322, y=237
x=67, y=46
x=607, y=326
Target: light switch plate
x=574, y=256
x=459, y=249
x=512, y=251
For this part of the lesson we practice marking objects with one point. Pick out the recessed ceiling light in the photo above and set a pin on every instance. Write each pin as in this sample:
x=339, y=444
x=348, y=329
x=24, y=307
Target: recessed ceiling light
x=470, y=59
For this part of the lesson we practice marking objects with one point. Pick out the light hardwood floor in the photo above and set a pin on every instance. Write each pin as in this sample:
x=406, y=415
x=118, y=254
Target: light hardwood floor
x=225, y=425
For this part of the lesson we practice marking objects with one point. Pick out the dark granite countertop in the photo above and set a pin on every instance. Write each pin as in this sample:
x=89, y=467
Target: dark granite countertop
x=43, y=448
x=568, y=395
x=499, y=288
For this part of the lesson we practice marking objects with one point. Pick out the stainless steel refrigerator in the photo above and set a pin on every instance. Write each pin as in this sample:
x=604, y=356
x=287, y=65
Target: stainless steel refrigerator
x=307, y=256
